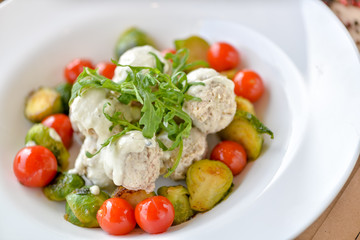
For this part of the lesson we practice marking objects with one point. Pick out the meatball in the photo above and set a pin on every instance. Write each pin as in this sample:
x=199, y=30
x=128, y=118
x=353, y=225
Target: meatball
x=194, y=149
x=87, y=117
x=138, y=57
x=217, y=106
x=133, y=161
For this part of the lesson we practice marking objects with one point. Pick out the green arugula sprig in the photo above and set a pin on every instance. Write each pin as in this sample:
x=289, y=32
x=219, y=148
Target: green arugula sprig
x=161, y=95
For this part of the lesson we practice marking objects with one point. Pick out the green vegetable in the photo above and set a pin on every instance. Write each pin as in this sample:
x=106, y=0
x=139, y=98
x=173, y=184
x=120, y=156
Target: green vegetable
x=244, y=105
x=82, y=206
x=132, y=196
x=161, y=95
x=62, y=185
x=179, y=197
x=42, y=103
x=208, y=182
x=47, y=137
x=197, y=46
x=65, y=92
x=246, y=130
x=132, y=37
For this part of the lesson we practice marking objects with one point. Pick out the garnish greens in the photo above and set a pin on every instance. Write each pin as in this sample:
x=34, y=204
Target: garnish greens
x=161, y=96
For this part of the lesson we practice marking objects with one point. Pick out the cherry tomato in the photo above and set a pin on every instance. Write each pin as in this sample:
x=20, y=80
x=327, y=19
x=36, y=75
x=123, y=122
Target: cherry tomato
x=248, y=84
x=116, y=216
x=106, y=69
x=155, y=214
x=169, y=50
x=222, y=56
x=230, y=153
x=75, y=67
x=35, y=166
x=62, y=125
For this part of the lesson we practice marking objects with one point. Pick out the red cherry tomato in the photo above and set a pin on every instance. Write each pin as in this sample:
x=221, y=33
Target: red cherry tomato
x=106, y=69
x=35, y=166
x=222, y=56
x=62, y=125
x=75, y=67
x=230, y=153
x=169, y=50
x=116, y=216
x=248, y=84
x=155, y=214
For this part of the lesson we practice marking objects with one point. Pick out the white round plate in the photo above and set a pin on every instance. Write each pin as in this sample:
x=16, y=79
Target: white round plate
x=310, y=68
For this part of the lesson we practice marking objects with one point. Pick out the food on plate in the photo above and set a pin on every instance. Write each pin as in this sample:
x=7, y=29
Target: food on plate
x=145, y=116
x=40, y=134
x=232, y=154
x=61, y=124
x=62, y=185
x=194, y=148
x=179, y=197
x=249, y=85
x=75, y=67
x=131, y=196
x=82, y=205
x=35, y=166
x=244, y=105
x=155, y=214
x=246, y=130
x=106, y=69
x=42, y=103
x=198, y=48
x=65, y=92
x=116, y=216
x=217, y=106
x=133, y=37
x=223, y=56
x=208, y=182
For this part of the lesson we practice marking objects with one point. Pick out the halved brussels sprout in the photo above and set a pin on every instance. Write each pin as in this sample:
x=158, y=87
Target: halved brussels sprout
x=246, y=130
x=132, y=37
x=132, y=196
x=82, y=206
x=198, y=48
x=244, y=105
x=65, y=92
x=62, y=185
x=208, y=182
x=230, y=74
x=47, y=137
x=42, y=103
x=179, y=197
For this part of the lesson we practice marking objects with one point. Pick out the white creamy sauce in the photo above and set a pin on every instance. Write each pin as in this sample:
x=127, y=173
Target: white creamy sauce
x=138, y=57
x=114, y=155
x=54, y=135
x=30, y=144
x=95, y=190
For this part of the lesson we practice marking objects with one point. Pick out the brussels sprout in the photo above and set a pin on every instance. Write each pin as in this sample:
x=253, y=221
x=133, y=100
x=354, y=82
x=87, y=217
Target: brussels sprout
x=62, y=185
x=82, y=206
x=197, y=46
x=244, y=105
x=230, y=74
x=47, y=137
x=179, y=197
x=132, y=196
x=132, y=37
x=42, y=103
x=65, y=92
x=208, y=182
x=246, y=130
